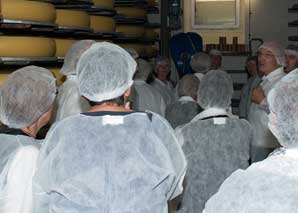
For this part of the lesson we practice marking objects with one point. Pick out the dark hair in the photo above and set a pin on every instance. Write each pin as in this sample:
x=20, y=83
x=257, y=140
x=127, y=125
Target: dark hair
x=119, y=101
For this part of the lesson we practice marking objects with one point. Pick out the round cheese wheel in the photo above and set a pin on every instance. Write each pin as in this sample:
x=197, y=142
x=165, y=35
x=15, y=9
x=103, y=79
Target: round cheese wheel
x=62, y=46
x=72, y=18
x=4, y=74
x=131, y=12
x=26, y=46
x=28, y=11
x=140, y=48
x=102, y=24
x=131, y=30
x=108, y=4
x=151, y=33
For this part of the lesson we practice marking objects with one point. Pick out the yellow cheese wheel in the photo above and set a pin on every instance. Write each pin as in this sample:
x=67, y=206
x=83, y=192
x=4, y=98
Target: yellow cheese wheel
x=151, y=33
x=72, y=18
x=25, y=46
x=58, y=75
x=131, y=12
x=62, y=46
x=131, y=30
x=28, y=11
x=102, y=24
x=108, y=4
x=4, y=73
x=140, y=48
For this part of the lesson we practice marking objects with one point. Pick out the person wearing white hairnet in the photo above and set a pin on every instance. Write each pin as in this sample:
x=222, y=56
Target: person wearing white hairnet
x=148, y=98
x=215, y=59
x=26, y=102
x=186, y=108
x=270, y=185
x=251, y=66
x=109, y=159
x=215, y=143
x=69, y=101
x=162, y=83
x=200, y=64
x=291, y=53
x=271, y=60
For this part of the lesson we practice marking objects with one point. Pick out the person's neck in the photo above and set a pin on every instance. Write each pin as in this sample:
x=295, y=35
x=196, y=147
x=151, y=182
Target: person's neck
x=30, y=130
x=109, y=107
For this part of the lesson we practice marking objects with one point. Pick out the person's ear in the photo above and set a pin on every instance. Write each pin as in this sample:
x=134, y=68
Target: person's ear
x=127, y=92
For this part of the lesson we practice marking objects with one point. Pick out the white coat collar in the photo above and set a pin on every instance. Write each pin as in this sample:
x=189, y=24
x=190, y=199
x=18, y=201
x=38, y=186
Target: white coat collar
x=210, y=112
x=186, y=98
x=271, y=76
x=140, y=81
x=72, y=77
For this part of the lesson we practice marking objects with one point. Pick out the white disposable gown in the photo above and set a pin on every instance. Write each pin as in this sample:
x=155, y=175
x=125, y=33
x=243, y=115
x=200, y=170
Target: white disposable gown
x=17, y=166
x=110, y=162
x=215, y=146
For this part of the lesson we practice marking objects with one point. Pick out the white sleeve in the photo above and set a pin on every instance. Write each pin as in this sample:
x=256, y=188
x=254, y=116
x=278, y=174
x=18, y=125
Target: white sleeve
x=18, y=188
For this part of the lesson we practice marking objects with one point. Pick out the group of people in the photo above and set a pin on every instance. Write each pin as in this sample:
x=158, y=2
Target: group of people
x=125, y=138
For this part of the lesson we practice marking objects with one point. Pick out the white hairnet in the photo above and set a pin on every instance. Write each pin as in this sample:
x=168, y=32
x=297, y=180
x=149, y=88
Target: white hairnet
x=188, y=86
x=216, y=90
x=291, y=49
x=200, y=62
x=144, y=69
x=215, y=52
x=105, y=71
x=277, y=51
x=26, y=95
x=73, y=55
x=283, y=104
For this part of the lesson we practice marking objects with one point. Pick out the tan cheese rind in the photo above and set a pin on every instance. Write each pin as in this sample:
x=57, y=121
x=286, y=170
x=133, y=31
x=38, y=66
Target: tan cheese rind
x=25, y=46
x=131, y=12
x=108, y=4
x=4, y=74
x=28, y=11
x=102, y=24
x=72, y=18
x=131, y=30
x=62, y=46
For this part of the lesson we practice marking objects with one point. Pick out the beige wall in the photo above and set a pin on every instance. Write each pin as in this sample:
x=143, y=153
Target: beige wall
x=212, y=36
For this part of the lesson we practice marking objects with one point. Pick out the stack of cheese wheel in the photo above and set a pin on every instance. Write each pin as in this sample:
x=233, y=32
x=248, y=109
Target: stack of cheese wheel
x=26, y=46
x=102, y=24
x=131, y=12
x=106, y=4
x=131, y=30
x=72, y=18
x=28, y=11
x=62, y=46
